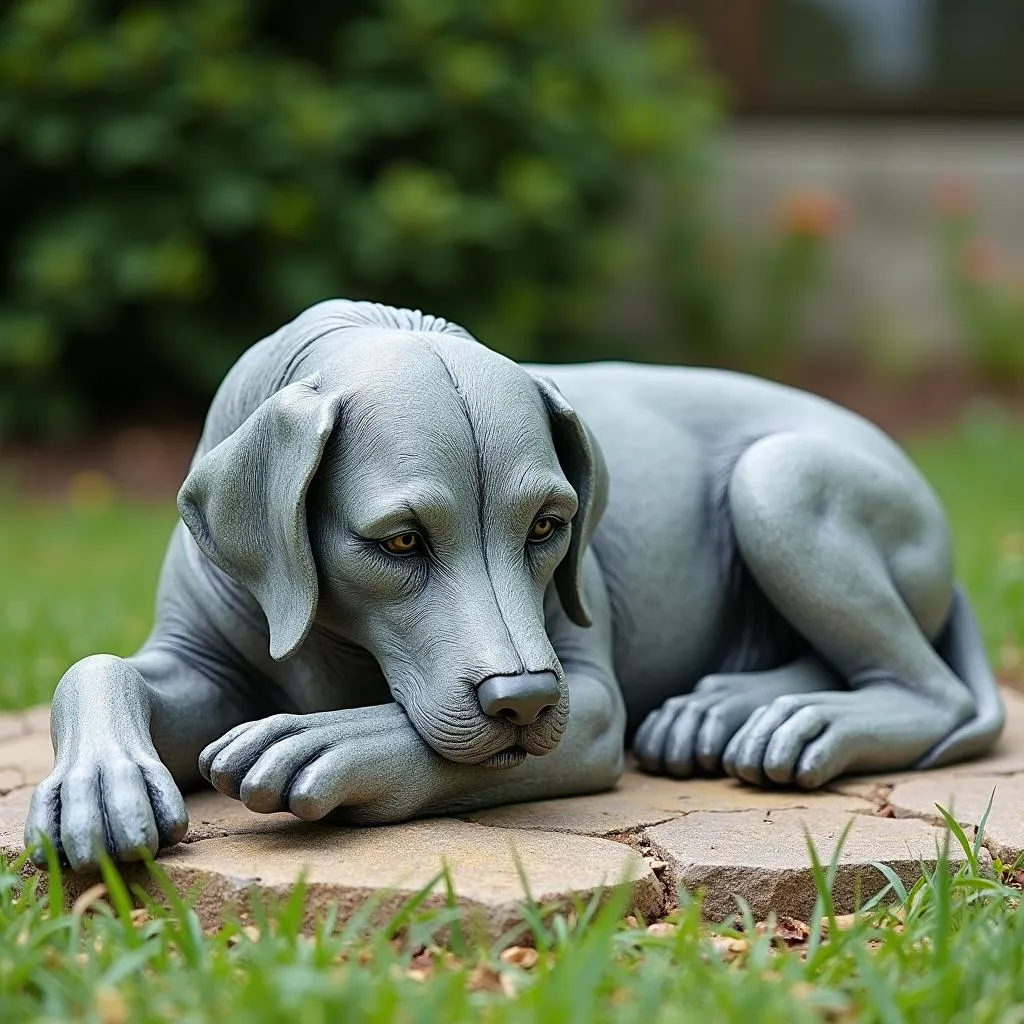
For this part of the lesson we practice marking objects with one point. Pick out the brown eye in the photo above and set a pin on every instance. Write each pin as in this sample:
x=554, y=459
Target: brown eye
x=403, y=544
x=542, y=529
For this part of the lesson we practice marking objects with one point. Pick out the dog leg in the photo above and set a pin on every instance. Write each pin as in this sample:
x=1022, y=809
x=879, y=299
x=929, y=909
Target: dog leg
x=126, y=736
x=370, y=766
x=854, y=552
x=689, y=733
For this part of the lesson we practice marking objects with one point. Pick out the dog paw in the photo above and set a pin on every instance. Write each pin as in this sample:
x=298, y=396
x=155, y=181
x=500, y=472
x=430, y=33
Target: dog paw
x=115, y=803
x=785, y=742
x=690, y=733
x=364, y=765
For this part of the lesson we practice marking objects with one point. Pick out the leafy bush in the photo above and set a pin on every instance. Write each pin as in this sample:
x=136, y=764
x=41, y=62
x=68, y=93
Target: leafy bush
x=179, y=178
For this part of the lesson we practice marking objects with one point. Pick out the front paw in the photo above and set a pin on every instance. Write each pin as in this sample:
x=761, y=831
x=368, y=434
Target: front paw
x=691, y=732
x=783, y=742
x=365, y=765
x=115, y=803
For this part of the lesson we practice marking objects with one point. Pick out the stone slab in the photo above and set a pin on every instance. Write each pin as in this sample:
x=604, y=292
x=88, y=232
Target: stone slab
x=37, y=720
x=12, y=724
x=14, y=808
x=712, y=833
x=967, y=798
x=762, y=856
x=29, y=722
x=30, y=755
x=212, y=816
x=641, y=800
x=345, y=868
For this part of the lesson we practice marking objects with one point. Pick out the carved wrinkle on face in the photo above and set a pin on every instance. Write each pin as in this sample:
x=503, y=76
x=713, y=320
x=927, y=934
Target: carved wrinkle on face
x=445, y=605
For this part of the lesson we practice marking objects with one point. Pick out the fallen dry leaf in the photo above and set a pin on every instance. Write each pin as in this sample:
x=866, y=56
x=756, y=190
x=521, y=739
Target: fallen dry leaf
x=844, y=922
x=484, y=979
x=250, y=931
x=886, y=811
x=1014, y=879
x=791, y=931
x=662, y=929
x=728, y=948
x=520, y=956
x=421, y=961
x=88, y=898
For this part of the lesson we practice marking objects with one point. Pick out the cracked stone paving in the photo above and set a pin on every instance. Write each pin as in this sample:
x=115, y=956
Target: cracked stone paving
x=652, y=835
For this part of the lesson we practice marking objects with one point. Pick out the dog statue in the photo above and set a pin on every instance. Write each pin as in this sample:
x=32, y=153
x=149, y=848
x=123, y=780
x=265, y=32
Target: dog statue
x=413, y=577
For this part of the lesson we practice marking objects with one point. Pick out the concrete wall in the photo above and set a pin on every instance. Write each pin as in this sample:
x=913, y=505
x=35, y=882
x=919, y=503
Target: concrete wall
x=884, y=284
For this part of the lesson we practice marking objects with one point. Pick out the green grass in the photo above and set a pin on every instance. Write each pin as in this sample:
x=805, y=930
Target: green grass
x=978, y=472
x=73, y=582
x=951, y=949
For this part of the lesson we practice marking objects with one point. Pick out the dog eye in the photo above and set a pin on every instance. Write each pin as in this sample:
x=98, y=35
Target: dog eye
x=542, y=529
x=403, y=544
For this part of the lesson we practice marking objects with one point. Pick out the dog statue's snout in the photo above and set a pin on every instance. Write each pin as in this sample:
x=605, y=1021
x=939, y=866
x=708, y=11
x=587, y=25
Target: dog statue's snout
x=521, y=698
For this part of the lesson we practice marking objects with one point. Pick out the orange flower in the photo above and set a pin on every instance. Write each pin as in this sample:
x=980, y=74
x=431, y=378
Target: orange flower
x=982, y=260
x=954, y=197
x=813, y=213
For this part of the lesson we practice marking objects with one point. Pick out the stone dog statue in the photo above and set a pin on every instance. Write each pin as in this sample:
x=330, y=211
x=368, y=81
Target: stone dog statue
x=413, y=577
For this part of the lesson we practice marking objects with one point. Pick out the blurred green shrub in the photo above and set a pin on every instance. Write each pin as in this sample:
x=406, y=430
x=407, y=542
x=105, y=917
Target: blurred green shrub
x=987, y=297
x=179, y=178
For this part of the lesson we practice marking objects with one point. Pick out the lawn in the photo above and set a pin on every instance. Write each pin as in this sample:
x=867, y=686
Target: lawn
x=80, y=579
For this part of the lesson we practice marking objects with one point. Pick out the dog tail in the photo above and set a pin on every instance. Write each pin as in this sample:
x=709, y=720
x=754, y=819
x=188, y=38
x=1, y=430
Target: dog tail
x=961, y=647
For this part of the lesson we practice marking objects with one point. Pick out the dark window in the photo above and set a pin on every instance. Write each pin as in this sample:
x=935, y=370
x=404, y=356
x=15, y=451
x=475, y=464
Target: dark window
x=909, y=57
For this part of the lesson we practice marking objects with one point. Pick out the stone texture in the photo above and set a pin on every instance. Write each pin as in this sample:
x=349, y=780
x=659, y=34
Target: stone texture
x=12, y=724
x=713, y=834
x=213, y=816
x=346, y=867
x=763, y=857
x=37, y=720
x=640, y=800
x=31, y=755
x=14, y=809
x=966, y=798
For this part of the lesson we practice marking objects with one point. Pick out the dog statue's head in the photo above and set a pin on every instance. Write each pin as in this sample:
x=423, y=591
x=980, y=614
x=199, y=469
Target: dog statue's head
x=416, y=496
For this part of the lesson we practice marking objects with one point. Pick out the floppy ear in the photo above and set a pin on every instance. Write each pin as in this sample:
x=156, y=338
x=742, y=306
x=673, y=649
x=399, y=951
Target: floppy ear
x=584, y=468
x=244, y=502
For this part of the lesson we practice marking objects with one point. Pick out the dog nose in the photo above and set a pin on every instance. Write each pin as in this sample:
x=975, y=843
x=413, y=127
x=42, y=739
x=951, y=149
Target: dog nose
x=520, y=698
